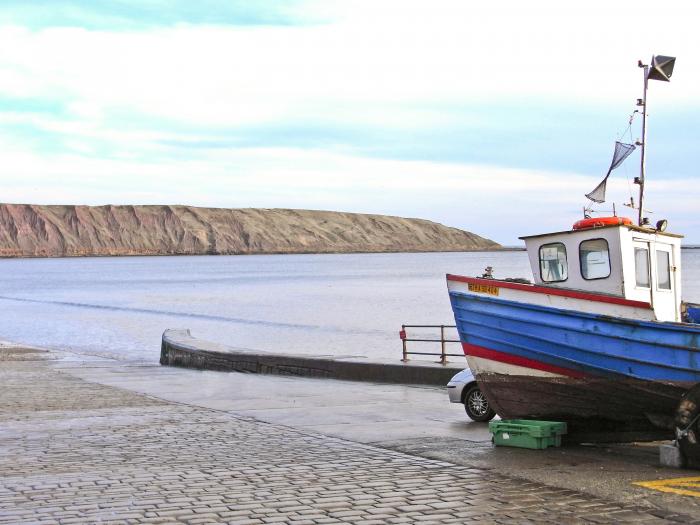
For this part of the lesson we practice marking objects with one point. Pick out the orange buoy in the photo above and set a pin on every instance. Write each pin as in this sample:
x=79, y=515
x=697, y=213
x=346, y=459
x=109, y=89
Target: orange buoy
x=599, y=222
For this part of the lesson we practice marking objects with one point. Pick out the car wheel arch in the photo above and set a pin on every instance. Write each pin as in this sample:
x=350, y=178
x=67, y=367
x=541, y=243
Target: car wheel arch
x=466, y=389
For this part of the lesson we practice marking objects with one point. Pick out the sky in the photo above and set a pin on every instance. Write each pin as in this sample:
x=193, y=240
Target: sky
x=494, y=117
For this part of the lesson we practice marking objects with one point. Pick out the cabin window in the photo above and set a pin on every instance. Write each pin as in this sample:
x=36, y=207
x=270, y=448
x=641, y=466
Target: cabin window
x=594, y=255
x=553, y=262
x=663, y=270
x=641, y=267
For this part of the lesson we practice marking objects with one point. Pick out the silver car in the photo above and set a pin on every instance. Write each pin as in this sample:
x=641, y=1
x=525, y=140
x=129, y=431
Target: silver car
x=462, y=388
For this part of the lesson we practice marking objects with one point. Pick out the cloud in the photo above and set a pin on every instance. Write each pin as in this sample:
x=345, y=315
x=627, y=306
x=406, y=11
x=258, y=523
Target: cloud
x=385, y=52
x=135, y=14
x=490, y=200
x=467, y=113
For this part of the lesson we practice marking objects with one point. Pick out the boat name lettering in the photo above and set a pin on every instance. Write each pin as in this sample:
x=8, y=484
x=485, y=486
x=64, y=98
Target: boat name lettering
x=483, y=288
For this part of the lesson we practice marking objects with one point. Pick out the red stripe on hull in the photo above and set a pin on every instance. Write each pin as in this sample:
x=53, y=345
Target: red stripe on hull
x=494, y=355
x=550, y=291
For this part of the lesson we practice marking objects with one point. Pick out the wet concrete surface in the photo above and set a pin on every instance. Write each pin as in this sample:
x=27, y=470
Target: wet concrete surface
x=418, y=420
x=359, y=411
x=583, y=483
x=76, y=451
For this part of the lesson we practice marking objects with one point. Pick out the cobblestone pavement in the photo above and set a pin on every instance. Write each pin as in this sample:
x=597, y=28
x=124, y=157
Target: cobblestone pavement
x=77, y=452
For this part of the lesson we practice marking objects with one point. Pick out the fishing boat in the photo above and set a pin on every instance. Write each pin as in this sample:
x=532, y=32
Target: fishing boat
x=601, y=337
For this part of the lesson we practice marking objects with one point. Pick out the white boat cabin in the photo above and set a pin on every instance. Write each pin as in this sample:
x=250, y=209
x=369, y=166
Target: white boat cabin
x=613, y=257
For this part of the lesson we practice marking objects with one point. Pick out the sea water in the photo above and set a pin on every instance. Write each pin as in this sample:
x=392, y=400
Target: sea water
x=340, y=304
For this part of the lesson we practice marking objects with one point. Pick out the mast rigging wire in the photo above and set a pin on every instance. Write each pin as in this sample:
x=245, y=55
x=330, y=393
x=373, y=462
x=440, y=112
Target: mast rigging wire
x=588, y=208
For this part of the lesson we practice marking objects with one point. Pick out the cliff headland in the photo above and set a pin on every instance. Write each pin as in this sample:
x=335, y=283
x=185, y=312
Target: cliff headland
x=28, y=230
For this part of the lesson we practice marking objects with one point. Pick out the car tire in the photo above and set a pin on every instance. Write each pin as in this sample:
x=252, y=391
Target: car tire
x=477, y=406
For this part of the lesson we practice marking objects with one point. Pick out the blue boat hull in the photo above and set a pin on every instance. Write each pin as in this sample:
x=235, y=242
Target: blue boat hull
x=584, y=365
x=693, y=313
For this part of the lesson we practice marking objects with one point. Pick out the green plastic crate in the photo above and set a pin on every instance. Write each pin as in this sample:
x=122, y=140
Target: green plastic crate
x=526, y=433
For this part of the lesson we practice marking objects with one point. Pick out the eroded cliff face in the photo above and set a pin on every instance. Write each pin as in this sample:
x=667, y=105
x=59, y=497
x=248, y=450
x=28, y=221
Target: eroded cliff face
x=63, y=231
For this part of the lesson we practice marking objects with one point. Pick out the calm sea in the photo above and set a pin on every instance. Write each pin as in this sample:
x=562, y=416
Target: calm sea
x=319, y=304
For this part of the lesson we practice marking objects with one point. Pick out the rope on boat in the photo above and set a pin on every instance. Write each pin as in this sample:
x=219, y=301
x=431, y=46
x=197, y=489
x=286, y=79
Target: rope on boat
x=683, y=433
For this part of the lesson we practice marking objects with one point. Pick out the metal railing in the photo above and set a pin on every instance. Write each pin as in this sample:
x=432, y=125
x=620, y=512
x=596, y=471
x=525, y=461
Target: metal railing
x=442, y=340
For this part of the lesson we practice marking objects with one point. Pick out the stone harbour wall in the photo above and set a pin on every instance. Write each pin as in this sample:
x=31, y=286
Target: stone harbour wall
x=179, y=348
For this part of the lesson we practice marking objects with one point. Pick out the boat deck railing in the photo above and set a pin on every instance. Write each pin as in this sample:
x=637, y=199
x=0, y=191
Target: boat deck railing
x=423, y=337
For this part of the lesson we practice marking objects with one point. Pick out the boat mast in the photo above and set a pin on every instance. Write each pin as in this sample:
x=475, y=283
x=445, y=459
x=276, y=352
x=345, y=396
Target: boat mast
x=661, y=69
x=643, y=143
